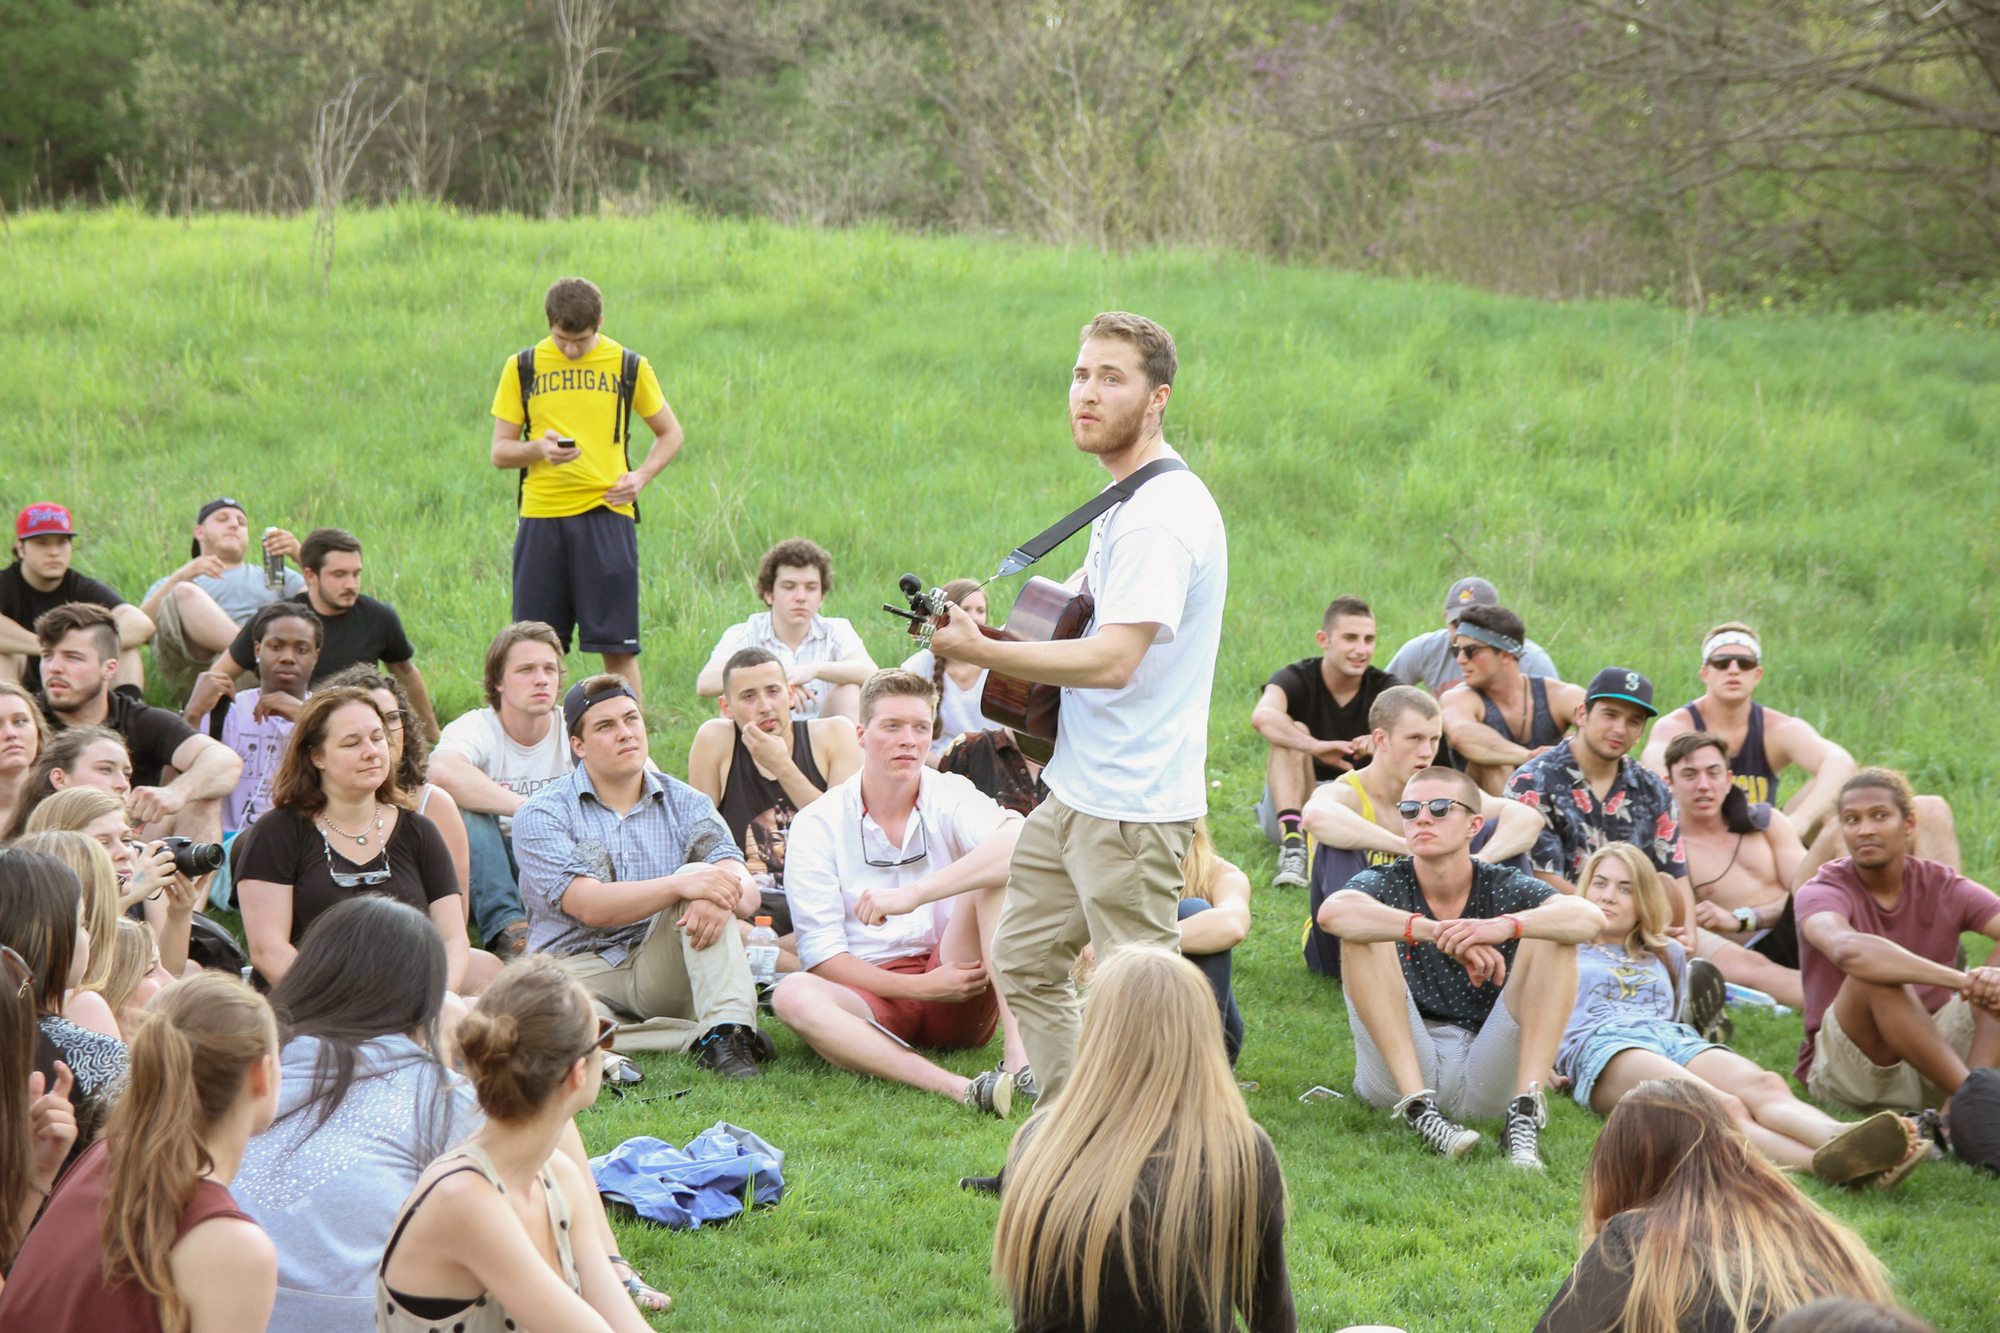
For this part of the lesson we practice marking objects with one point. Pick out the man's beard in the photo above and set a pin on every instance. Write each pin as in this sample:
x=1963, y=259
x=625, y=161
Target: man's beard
x=81, y=699
x=1118, y=435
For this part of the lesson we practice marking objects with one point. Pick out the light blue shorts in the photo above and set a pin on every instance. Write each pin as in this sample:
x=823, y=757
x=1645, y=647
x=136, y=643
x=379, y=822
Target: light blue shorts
x=1675, y=1041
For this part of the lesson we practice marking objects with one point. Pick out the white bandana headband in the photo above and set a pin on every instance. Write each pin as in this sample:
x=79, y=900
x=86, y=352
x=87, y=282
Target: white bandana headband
x=1731, y=638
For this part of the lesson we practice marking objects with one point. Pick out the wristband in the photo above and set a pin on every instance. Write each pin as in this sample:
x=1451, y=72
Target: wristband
x=1746, y=920
x=1410, y=929
x=1509, y=916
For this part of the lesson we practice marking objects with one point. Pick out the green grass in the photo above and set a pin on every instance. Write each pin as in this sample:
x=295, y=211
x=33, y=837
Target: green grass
x=1625, y=475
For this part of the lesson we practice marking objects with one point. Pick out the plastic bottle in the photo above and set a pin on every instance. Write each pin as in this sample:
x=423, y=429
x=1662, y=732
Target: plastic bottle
x=762, y=946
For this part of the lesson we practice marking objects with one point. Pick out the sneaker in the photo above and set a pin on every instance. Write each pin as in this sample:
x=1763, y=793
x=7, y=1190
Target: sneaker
x=732, y=1050
x=1527, y=1116
x=1446, y=1136
x=991, y=1092
x=1024, y=1084
x=987, y=1185
x=1292, y=870
x=1707, y=996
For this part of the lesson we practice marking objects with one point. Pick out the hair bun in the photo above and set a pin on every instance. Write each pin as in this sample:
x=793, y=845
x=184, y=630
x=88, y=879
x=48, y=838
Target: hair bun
x=488, y=1039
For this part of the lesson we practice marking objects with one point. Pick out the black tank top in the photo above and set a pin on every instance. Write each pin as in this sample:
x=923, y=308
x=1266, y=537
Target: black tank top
x=1749, y=766
x=1542, y=730
x=757, y=811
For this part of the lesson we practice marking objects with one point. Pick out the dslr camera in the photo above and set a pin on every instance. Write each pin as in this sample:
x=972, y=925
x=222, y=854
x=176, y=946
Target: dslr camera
x=194, y=859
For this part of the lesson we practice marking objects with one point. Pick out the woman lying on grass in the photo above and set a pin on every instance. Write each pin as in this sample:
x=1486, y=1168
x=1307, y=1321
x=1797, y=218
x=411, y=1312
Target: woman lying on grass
x=1691, y=1231
x=1623, y=1032
x=1144, y=1196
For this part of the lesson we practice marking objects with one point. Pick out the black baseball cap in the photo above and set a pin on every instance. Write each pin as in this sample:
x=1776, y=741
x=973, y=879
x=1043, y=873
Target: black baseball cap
x=576, y=703
x=219, y=502
x=1618, y=683
x=1973, y=1123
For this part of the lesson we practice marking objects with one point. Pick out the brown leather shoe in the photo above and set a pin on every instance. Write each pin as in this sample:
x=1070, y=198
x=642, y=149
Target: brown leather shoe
x=511, y=942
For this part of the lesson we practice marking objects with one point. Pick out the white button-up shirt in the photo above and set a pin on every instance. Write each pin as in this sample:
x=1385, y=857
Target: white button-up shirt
x=828, y=639
x=826, y=866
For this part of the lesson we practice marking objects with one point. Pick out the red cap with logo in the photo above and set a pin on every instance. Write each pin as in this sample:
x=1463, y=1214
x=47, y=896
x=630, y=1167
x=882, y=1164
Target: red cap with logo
x=44, y=520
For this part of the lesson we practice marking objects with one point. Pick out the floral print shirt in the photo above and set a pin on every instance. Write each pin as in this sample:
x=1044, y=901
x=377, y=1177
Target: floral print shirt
x=1638, y=809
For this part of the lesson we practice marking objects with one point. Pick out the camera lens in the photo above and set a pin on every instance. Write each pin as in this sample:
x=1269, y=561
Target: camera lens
x=197, y=858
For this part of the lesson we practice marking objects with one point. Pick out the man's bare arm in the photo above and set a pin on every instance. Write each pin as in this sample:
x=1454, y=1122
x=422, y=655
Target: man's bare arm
x=208, y=769
x=1272, y=720
x=985, y=867
x=1473, y=738
x=713, y=740
x=18, y=641
x=1515, y=829
x=851, y=670
x=1797, y=742
x=1670, y=725
x=1101, y=661
x=134, y=627
x=466, y=784
x=1331, y=820
x=1872, y=958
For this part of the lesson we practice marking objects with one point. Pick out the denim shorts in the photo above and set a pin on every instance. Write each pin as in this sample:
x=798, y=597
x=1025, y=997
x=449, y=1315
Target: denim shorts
x=1675, y=1041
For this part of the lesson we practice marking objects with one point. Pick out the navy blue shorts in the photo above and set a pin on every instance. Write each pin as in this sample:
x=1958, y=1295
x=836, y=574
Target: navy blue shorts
x=580, y=573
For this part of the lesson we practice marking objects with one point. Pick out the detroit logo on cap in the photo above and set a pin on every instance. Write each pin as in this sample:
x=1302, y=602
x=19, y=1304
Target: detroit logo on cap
x=41, y=519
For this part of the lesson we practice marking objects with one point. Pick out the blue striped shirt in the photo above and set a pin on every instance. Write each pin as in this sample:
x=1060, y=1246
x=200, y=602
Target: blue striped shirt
x=564, y=831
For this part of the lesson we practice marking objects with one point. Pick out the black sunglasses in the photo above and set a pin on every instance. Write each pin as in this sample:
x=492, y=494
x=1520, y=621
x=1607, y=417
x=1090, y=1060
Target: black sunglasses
x=1740, y=663
x=1438, y=806
x=366, y=879
x=1468, y=649
x=924, y=848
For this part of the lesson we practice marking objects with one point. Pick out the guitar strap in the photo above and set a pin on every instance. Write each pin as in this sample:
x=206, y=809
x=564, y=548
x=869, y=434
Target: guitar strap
x=1033, y=549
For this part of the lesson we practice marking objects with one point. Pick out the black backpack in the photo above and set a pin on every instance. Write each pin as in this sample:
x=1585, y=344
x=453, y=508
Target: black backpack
x=621, y=424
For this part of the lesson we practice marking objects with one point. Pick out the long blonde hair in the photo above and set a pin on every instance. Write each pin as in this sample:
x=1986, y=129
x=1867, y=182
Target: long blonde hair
x=189, y=1059
x=1152, y=1095
x=1719, y=1222
x=1201, y=867
x=92, y=865
x=132, y=950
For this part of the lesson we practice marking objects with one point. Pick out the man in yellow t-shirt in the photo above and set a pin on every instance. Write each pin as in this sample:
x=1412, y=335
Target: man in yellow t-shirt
x=576, y=551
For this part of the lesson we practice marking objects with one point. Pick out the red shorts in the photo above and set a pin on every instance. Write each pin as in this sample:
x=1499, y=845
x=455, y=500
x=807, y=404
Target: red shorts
x=938, y=1024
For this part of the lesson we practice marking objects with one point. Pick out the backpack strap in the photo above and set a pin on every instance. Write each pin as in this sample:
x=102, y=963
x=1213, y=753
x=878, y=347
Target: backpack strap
x=524, y=371
x=621, y=425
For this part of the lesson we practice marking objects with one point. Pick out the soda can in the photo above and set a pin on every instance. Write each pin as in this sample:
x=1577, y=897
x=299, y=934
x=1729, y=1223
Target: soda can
x=274, y=565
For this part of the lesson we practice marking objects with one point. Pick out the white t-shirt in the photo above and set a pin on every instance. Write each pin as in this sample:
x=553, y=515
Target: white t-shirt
x=1140, y=754
x=828, y=639
x=260, y=745
x=826, y=869
x=522, y=769
x=958, y=710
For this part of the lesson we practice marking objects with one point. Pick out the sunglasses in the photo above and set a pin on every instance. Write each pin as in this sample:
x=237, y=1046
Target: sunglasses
x=1740, y=663
x=1439, y=807
x=923, y=848
x=1468, y=649
x=366, y=879
x=607, y=1032
x=19, y=975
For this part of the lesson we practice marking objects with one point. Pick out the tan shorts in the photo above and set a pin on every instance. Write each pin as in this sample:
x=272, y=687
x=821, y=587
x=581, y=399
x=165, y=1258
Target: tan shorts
x=1841, y=1073
x=172, y=662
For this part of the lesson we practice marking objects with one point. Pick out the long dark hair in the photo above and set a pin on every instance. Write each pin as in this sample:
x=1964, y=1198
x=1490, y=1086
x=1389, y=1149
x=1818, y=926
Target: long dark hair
x=17, y=1062
x=60, y=751
x=1719, y=1222
x=413, y=769
x=39, y=896
x=370, y=967
x=297, y=783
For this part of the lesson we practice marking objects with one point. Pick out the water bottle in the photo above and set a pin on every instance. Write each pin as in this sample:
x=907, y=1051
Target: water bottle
x=762, y=947
x=274, y=566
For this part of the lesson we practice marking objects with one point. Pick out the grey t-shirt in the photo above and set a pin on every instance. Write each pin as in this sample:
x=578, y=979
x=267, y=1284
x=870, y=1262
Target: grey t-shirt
x=328, y=1198
x=1427, y=660
x=241, y=591
x=1612, y=987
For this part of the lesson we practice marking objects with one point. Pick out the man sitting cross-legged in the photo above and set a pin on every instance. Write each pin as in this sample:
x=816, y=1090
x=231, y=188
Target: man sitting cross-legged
x=1764, y=743
x=179, y=776
x=1356, y=824
x=825, y=660
x=1891, y=1021
x=491, y=760
x=1314, y=713
x=1740, y=864
x=896, y=879
x=632, y=885
x=1459, y=977
x=761, y=766
x=1500, y=717
x=200, y=607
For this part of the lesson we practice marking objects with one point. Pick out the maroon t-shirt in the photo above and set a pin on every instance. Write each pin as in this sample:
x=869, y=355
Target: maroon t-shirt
x=1937, y=906
x=57, y=1284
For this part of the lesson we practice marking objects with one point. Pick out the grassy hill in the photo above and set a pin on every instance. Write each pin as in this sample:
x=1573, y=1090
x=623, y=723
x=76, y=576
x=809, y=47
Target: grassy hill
x=1627, y=476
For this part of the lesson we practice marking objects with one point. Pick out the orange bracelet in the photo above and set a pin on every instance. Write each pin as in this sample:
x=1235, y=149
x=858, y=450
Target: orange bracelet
x=1509, y=916
x=1410, y=929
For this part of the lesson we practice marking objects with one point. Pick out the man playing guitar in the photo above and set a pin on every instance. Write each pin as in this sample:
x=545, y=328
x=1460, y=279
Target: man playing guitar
x=1099, y=862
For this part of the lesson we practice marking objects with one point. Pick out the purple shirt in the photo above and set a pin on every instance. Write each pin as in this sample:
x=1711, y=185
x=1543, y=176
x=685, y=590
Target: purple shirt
x=1937, y=906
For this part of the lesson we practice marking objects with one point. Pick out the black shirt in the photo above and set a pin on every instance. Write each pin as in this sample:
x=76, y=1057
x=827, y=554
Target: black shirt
x=1307, y=700
x=1592, y=1299
x=24, y=604
x=1121, y=1309
x=1437, y=981
x=367, y=632
x=152, y=735
x=285, y=847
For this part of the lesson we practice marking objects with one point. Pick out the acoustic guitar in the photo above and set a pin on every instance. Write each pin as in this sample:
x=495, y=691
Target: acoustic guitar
x=1044, y=611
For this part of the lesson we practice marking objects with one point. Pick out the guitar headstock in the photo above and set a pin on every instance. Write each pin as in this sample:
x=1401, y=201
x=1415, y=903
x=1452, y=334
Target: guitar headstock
x=927, y=609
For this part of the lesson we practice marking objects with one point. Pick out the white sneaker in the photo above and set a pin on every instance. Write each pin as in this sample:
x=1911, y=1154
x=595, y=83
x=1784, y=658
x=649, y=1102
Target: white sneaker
x=1293, y=872
x=1527, y=1116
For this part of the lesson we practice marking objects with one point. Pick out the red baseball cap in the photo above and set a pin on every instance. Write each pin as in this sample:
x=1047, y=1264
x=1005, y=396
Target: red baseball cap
x=44, y=520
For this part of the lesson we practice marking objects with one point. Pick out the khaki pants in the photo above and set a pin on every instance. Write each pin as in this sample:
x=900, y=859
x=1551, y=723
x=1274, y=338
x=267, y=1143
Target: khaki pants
x=172, y=662
x=1075, y=880
x=1842, y=1074
x=678, y=990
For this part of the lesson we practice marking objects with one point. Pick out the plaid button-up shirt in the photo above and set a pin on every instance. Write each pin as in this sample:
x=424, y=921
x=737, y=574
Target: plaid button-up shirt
x=564, y=831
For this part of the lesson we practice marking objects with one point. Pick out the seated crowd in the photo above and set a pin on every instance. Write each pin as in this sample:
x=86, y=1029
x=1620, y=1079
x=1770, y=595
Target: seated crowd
x=326, y=1128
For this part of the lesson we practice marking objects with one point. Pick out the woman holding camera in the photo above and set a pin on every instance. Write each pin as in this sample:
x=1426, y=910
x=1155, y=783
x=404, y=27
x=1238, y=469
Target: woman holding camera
x=336, y=830
x=146, y=874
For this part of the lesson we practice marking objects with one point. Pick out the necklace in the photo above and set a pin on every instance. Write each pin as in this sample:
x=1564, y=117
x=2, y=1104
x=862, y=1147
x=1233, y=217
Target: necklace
x=359, y=838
